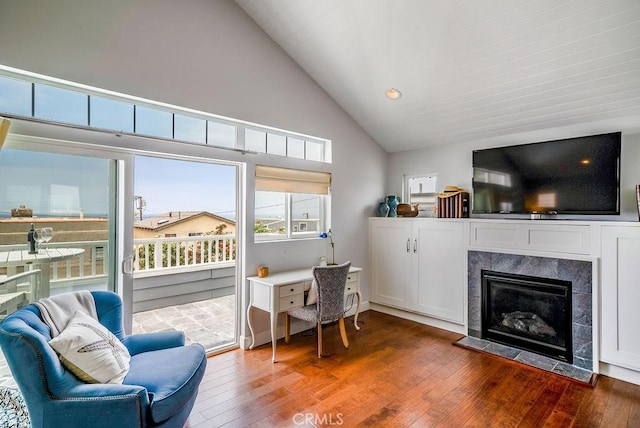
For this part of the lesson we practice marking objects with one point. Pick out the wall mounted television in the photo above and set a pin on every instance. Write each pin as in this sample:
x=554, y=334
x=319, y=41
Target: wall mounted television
x=570, y=176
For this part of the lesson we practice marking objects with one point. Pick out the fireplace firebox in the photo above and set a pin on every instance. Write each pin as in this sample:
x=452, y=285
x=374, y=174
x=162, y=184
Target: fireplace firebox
x=528, y=312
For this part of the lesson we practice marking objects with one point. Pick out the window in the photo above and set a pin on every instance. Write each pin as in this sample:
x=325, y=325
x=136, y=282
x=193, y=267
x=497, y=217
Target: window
x=61, y=105
x=16, y=96
x=256, y=141
x=29, y=95
x=315, y=151
x=110, y=114
x=290, y=204
x=188, y=128
x=153, y=122
x=421, y=190
x=282, y=145
x=221, y=134
x=295, y=147
x=276, y=144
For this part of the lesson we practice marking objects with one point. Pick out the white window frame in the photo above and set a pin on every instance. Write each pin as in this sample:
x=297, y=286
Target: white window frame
x=290, y=182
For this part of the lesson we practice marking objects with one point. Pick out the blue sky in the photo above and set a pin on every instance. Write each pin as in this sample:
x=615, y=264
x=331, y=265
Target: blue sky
x=53, y=184
x=175, y=185
x=62, y=185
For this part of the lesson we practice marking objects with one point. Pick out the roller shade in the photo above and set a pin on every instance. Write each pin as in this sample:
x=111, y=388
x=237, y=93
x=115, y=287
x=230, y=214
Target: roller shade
x=276, y=179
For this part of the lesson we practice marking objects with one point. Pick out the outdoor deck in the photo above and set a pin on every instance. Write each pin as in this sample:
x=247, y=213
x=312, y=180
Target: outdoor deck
x=209, y=322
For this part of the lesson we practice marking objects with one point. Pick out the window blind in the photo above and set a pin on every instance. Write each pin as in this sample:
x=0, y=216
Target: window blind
x=274, y=179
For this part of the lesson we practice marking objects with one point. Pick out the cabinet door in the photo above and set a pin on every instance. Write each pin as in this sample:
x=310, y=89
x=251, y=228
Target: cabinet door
x=390, y=261
x=620, y=296
x=439, y=269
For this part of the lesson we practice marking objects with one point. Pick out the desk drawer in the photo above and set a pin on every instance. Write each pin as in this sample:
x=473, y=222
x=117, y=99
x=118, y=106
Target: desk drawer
x=351, y=286
x=290, y=289
x=292, y=301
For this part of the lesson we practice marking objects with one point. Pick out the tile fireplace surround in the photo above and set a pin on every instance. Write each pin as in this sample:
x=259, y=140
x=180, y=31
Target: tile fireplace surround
x=577, y=271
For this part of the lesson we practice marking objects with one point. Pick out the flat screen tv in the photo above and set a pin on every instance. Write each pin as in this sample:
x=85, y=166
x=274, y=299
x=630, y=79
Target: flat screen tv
x=571, y=176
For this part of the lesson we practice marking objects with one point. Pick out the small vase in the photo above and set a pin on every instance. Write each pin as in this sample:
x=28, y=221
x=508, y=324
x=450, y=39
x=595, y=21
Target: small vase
x=393, y=202
x=383, y=209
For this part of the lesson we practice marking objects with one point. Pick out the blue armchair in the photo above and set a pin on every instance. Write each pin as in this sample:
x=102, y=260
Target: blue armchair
x=158, y=391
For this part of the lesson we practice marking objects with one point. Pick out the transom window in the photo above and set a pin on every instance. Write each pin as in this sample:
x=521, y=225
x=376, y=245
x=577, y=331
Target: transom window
x=26, y=94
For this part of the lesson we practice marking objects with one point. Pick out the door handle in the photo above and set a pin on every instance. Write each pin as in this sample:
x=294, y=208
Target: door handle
x=408, y=245
x=415, y=245
x=127, y=265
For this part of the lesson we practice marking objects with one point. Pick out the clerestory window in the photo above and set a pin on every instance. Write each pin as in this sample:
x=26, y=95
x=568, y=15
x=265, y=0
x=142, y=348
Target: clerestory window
x=26, y=94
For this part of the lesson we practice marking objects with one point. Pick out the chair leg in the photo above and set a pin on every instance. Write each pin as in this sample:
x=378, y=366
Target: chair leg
x=320, y=339
x=343, y=332
x=287, y=328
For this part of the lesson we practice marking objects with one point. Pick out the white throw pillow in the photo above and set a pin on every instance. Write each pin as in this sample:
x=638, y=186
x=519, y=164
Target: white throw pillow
x=91, y=352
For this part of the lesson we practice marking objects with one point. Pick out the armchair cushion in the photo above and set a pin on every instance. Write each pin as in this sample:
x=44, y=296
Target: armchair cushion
x=90, y=351
x=145, y=342
x=168, y=377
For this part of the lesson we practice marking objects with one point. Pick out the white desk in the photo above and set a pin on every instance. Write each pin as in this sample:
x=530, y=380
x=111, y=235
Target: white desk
x=42, y=259
x=285, y=290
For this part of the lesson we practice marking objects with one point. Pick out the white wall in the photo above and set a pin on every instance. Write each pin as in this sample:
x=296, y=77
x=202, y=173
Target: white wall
x=208, y=55
x=452, y=163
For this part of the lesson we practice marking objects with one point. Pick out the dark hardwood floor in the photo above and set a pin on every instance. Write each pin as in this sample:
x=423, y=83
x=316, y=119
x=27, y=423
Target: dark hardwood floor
x=398, y=373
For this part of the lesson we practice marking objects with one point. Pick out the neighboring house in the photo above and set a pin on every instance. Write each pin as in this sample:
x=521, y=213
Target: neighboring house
x=182, y=223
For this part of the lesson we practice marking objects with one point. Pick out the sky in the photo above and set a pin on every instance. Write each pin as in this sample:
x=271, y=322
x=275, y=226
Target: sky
x=53, y=184
x=62, y=185
x=176, y=185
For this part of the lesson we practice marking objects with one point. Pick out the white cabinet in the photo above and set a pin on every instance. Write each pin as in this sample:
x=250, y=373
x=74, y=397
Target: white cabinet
x=439, y=269
x=419, y=265
x=390, y=261
x=620, y=296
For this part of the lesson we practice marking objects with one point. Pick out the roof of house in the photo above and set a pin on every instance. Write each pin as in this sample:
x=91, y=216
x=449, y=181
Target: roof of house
x=171, y=218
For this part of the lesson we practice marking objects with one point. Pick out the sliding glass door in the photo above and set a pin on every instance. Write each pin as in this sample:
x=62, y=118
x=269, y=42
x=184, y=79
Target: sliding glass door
x=71, y=193
x=159, y=231
x=184, y=266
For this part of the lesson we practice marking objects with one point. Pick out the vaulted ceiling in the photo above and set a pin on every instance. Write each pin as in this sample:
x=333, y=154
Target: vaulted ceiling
x=467, y=69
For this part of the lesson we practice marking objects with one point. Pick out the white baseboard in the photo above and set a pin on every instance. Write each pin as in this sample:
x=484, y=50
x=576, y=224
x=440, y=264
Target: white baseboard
x=620, y=373
x=422, y=319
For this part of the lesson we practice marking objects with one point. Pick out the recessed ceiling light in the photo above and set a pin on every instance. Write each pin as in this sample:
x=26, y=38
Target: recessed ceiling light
x=393, y=94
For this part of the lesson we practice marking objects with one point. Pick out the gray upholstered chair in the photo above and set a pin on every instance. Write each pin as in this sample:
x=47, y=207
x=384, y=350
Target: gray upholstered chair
x=329, y=306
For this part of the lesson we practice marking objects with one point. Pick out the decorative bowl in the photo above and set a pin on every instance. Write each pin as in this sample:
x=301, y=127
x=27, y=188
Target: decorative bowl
x=406, y=210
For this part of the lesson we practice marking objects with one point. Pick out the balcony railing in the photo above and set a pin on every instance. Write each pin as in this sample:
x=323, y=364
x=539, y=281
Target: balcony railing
x=152, y=256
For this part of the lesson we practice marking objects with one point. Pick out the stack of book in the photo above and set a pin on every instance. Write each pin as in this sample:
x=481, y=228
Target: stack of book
x=453, y=205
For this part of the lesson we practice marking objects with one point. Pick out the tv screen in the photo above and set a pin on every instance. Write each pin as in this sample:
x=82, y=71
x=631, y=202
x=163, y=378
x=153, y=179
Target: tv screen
x=570, y=176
